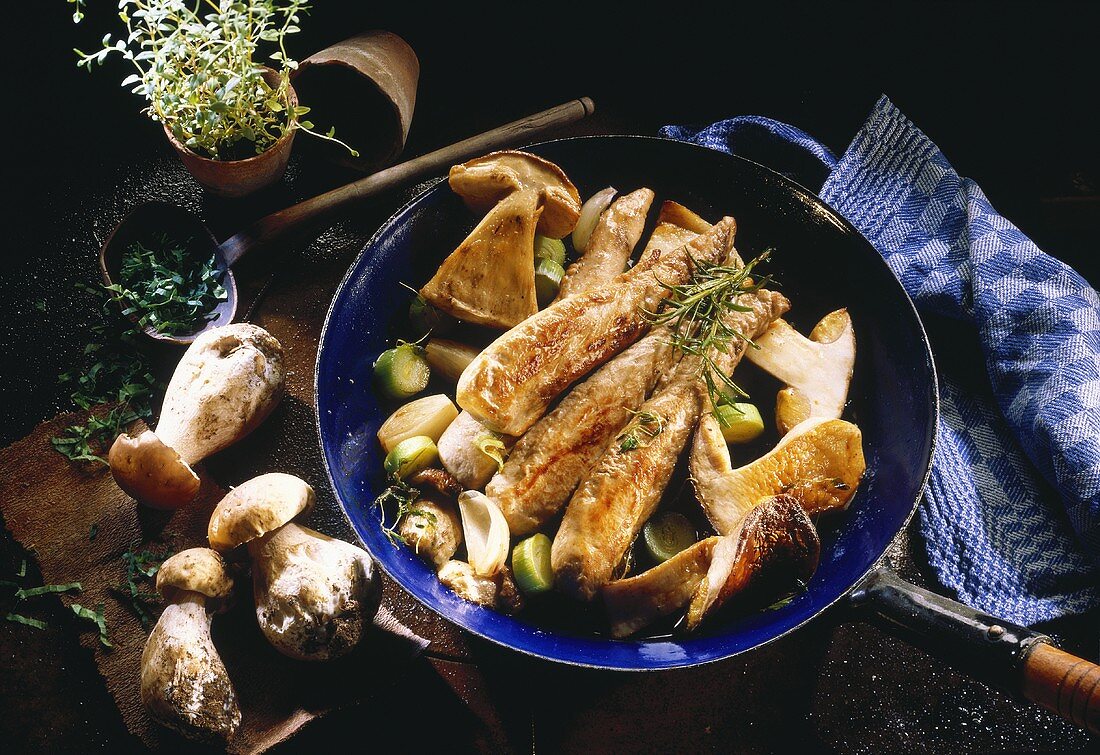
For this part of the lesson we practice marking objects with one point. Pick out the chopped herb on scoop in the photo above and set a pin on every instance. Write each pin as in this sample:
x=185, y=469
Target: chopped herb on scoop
x=167, y=287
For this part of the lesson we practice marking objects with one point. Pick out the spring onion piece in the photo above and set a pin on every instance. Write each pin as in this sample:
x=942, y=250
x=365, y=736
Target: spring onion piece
x=425, y=318
x=402, y=372
x=667, y=534
x=492, y=445
x=549, y=249
x=531, y=565
x=485, y=531
x=428, y=416
x=410, y=456
x=548, y=275
x=740, y=422
x=590, y=215
x=449, y=358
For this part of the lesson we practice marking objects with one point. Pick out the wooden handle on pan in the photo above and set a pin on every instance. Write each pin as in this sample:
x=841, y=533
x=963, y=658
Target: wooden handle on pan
x=1064, y=684
x=1005, y=655
x=283, y=223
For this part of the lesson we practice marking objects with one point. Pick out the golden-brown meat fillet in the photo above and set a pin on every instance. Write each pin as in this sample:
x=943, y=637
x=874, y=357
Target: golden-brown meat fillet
x=623, y=490
x=511, y=383
x=548, y=462
x=610, y=245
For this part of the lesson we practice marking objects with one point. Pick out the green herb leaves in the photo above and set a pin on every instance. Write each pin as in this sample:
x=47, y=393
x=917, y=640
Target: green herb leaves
x=115, y=383
x=140, y=566
x=696, y=313
x=196, y=64
x=97, y=618
x=399, y=496
x=644, y=427
x=167, y=287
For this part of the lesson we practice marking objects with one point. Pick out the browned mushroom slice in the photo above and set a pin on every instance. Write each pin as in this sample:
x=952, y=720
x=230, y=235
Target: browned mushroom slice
x=775, y=548
x=820, y=463
x=485, y=181
x=490, y=278
x=634, y=603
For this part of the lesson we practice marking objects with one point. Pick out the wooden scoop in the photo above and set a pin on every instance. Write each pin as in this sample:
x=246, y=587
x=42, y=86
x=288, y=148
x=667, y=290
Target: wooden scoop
x=155, y=218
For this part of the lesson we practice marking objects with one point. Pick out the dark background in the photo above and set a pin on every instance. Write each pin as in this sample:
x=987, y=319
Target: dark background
x=1008, y=92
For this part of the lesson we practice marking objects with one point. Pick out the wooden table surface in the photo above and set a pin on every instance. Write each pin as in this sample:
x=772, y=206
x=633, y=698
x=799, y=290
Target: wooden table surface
x=82, y=156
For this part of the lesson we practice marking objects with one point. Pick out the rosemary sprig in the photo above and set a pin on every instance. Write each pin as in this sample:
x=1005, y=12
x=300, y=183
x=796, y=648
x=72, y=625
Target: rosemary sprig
x=696, y=311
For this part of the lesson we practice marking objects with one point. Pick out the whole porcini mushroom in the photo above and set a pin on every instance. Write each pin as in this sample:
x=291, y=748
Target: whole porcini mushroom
x=226, y=384
x=489, y=279
x=184, y=684
x=315, y=595
x=816, y=370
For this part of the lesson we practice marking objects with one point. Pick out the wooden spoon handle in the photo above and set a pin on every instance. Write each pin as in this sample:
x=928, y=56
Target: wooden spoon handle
x=1064, y=684
x=278, y=225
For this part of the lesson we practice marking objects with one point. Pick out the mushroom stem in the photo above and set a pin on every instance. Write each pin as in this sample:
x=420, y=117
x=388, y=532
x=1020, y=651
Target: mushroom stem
x=315, y=595
x=816, y=370
x=184, y=684
x=227, y=382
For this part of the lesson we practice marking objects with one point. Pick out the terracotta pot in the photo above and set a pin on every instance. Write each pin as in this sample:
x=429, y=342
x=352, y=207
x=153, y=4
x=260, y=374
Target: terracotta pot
x=238, y=178
x=365, y=86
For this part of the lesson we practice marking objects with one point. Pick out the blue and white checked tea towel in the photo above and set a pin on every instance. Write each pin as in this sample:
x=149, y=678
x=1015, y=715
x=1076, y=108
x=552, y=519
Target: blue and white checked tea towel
x=1011, y=515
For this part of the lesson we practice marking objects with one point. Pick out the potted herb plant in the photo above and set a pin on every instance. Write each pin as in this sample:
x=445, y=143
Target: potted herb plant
x=231, y=118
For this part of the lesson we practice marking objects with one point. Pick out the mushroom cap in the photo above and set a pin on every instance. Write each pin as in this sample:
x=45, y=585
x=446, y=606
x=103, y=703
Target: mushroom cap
x=151, y=471
x=198, y=570
x=484, y=181
x=256, y=507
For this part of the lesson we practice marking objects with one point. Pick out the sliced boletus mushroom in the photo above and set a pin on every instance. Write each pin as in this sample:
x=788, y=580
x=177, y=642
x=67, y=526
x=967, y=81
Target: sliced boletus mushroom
x=433, y=529
x=816, y=370
x=636, y=602
x=315, y=595
x=227, y=382
x=820, y=462
x=184, y=684
x=775, y=548
x=485, y=181
x=490, y=278
x=498, y=592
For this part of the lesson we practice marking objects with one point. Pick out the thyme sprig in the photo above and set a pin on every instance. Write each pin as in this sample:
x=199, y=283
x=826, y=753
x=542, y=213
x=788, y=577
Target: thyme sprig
x=696, y=313
x=399, y=496
x=199, y=66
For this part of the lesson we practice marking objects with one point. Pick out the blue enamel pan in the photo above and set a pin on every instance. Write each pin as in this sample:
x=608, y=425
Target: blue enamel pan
x=822, y=263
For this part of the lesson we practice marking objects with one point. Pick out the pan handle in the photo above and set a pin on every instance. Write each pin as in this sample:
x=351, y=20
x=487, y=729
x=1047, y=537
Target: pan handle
x=1000, y=653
